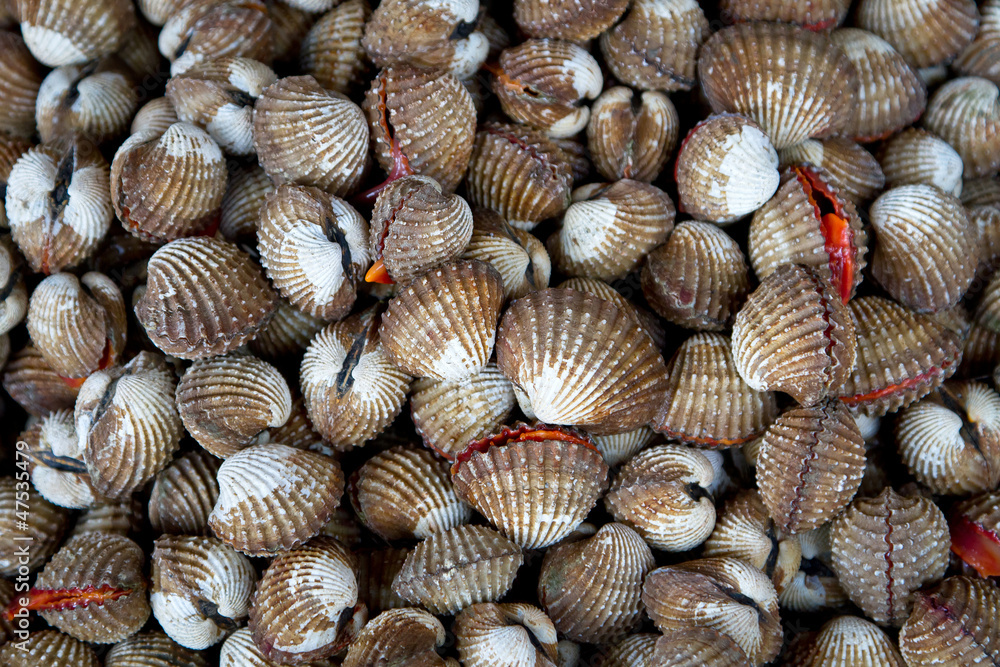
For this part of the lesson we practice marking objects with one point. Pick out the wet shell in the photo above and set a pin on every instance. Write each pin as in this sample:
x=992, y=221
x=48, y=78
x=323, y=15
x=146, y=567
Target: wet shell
x=654, y=46
x=314, y=249
x=505, y=635
x=123, y=518
x=795, y=335
x=154, y=116
x=95, y=100
x=246, y=191
x=335, y=157
x=40, y=533
x=56, y=462
x=442, y=324
x=205, y=29
x=575, y=20
x=724, y=594
x=849, y=640
x=982, y=57
x=306, y=604
x=925, y=33
x=953, y=624
x=707, y=403
x=518, y=255
x=423, y=118
x=518, y=173
x=451, y=570
x=171, y=185
x=297, y=489
x=57, y=204
x=698, y=647
x=649, y=323
x=885, y=548
x=901, y=357
x=227, y=403
x=586, y=600
x=916, y=156
x=331, y=51
x=19, y=87
x=815, y=586
x=551, y=339
x=661, y=494
x=629, y=137
x=810, y=91
x=33, y=384
x=203, y=297
x=376, y=571
x=965, y=112
x=610, y=228
x=152, y=649
x=817, y=16
x=398, y=636
x=851, y=169
x=183, y=495
x=975, y=533
x=634, y=651
x=620, y=447
x=50, y=648
x=926, y=255
x=67, y=33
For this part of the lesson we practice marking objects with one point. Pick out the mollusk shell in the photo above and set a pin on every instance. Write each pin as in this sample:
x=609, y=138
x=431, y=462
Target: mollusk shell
x=698, y=647
x=287, y=334
x=965, y=112
x=155, y=116
x=620, y=447
x=629, y=142
x=505, y=635
x=152, y=649
x=849, y=640
x=184, y=493
x=22, y=78
x=55, y=462
x=975, y=532
x=636, y=650
x=32, y=383
x=50, y=648
x=816, y=16
x=239, y=651
x=96, y=101
x=915, y=156
x=398, y=636
x=953, y=624
x=982, y=57
x=567, y=19
x=204, y=29
x=925, y=33
x=69, y=33
x=645, y=319
x=517, y=254
x=331, y=51
x=43, y=527
x=376, y=571
x=11, y=150
x=853, y=170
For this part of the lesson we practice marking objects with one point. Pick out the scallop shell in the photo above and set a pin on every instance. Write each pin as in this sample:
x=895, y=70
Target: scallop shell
x=965, y=112
x=40, y=533
x=56, y=464
x=809, y=91
x=154, y=116
x=548, y=339
x=22, y=78
x=698, y=647
x=816, y=16
x=451, y=570
x=287, y=334
x=916, y=156
x=50, y=648
x=32, y=383
x=203, y=297
x=336, y=156
x=67, y=33
x=926, y=34
x=205, y=29
x=620, y=447
x=953, y=624
x=152, y=649
x=227, y=403
x=567, y=19
x=398, y=636
x=331, y=51
x=184, y=494
x=95, y=101
x=505, y=635
x=851, y=169
x=849, y=640
x=520, y=258
x=630, y=137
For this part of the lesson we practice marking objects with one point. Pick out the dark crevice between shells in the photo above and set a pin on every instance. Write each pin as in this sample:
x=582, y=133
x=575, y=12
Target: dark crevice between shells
x=241, y=99
x=463, y=29
x=697, y=492
x=367, y=336
x=814, y=567
x=73, y=92
x=772, y=555
x=60, y=463
x=739, y=598
x=210, y=610
x=182, y=47
x=9, y=286
x=335, y=235
x=104, y=403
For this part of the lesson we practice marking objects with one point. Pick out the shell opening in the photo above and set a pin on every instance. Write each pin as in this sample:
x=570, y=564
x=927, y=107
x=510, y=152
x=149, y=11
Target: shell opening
x=908, y=383
x=837, y=231
x=400, y=163
x=976, y=545
x=523, y=433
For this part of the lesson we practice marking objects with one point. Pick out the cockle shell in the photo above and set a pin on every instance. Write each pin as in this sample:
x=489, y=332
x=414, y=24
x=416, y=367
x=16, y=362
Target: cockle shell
x=290, y=24
x=915, y=156
x=204, y=29
x=853, y=170
x=815, y=586
x=50, y=648
x=377, y=568
x=816, y=16
x=925, y=33
x=113, y=517
x=965, y=112
x=849, y=640
x=152, y=649
x=95, y=100
x=156, y=116
x=66, y=33
x=953, y=624
x=645, y=319
x=517, y=254
x=56, y=462
x=22, y=78
x=40, y=532
x=398, y=636
x=11, y=150
x=982, y=57
x=505, y=635
x=288, y=333
x=975, y=533
x=239, y=651
x=629, y=142
x=636, y=650
x=620, y=447
x=13, y=293
x=567, y=19
x=37, y=388
x=331, y=51
x=184, y=494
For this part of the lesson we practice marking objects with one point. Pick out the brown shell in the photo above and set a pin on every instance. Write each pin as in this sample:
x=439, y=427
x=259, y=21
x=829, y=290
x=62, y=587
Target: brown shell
x=629, y=137
x=205, y=29
x=55, y=462
x=152, y=649
x=331, y=51
x=620, y=447
x=852, y=170
x=636, y=650
x=926, y=34
x=156, y=115
x=885, y=548
x=50, y=648
x=849, y=640
x=41, y=532
x=574, y=20
x=376, y=571
x=953, y=624
x=290, y=23
x=398, y=636
x=239, y=651
x=698, y=647
x=505, y=635
x=810, y=92
x=123, y=518
x=11, y=150
x=32, y=383
x=517, y=254
x=817, y=16
x=915, y=156
x=287, y=334
x=95, y=101
x=184, y=493
x=68, y=33
x=982, y=57
x=646, y=320
x=22, y=78
x=965, y=112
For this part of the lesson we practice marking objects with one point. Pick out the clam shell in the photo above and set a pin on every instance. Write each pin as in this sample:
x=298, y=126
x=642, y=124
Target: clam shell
x=634, y=651
x=11, y=150
x=649, y=323
x=205, y=29
x=916, y=156
x=849, y=640
x=22, y=78
x=567, y=19
x=698, y=647
x=50, y=648
x=953, y=624
x=32, y=383
x=287, y=334
x=815, y=586
x=239, y=651
x=398, y=636
x=505, y=635
x=246, y=191
x=41, y=532
x=981, y=198
x=982, y=57
x=68, y=33
x=184, y=493
x=851, y=169
x=520, y=258
x=331, y=51
x=123, y=518
x=94, y=100
x=620, y=447
x=965, y=112
x=154, y=116
x=629, y=142
x=376, y=571
x=13, y=293
x=289, y=27
x=152, y=649
x=816, y=16
x=926, y=34
x=55, y=462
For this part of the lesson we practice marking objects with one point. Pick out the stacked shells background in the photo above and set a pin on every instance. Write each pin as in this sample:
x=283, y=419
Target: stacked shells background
x=510, y=334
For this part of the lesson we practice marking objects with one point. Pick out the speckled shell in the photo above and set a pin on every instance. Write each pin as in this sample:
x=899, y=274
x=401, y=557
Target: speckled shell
x=982, y=57
x=725, y=594
x=184, y=494
x=885, y=548
x=453, y=569
x=50, y=648
x=33, y=384
x=22, y=78
x=152, y=649
x=853, y=170
x=965, y=112
x=609, y=228
x=630, y=136
x=925, y=33
x=848, y=641
x=586, y=600
x=698, y=647
x=915, y=156
x=296, y=489
x=287, y=334
x=901, y=356
x=518, y=255
x=203, y=297
x=953, y=624
x=67, y=33
x=124, y=517
x=505, y=635
x=707, y=403
x=227, y=403
x=155, y=116
x=811, y=90
x=661, y=494
x=795, y=335
x=426, y=115
x=654, y=46
x=313, y=247
x=56, y=462
x=549, y=338
x=646, y=320
x=816, y=16
x=398, y=636
x=636, y=650
x=331, y=51
x=57, y=204
x=926, y=255
x=518, y=173
x=204, y=29
x=95, y=101
x=43, y=527
x=575, y=20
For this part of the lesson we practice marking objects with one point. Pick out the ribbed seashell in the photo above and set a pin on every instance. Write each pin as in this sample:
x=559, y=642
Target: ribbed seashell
x=795, y=335
x=982, y=57
x=965, y=112
x=377, y=568
x=849, y=640
x=950, y=440
x=247, y=188
x=551, y=337
x=298, y=431
x=140, y=54
x=397, y=637
x=885, y=548
x=32, y=383
x=654, y=46
x=65, y=33
x=915, y=156
x=586, y=600
x=796, y=84
x=95, y=100
x=575, y=20
x=306, y=605
x=170, y=185
x=200, y=589
x=41, y=532
x=297, y=489
x=227, y=403
x=239, y=651
x=352, y=390
x=926, y=256
x=57, y=204
x=810, y=465
x=815, y=586
x=725, y=594
x=154, y=116
x=814, y=16
x=124, y=517
x=610, y=228
x=424, y=119
x=661, y=494
x=629, y=137
x=649, y=323
x=78, y=325
x=22, y=78
x=287, y=334
x=56, y=462
x=981, y=198
x=218, y=95
x=11, y=150
x=953, y=624
x=49, y=648
x=707, y=403
x=289, y=26
x=184, y=494
x=13, y=293
x=152, y=649
x=975, y=533
x=925, y=33
x=203, y=297
x=518, y=173
x=205, y=29
x=620, y=447
x=518, y=255
x=698, y=279
x=331, y=51
x=565, y=473
x=698, y=646
x=158, y=11
x=427, y=33
x=505, y=635
x=636, y=650
x=901, y=356
x=851, y=169
x=314, y=248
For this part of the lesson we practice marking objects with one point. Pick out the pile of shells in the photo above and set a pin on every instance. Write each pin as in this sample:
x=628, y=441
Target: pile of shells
x=541, y=333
